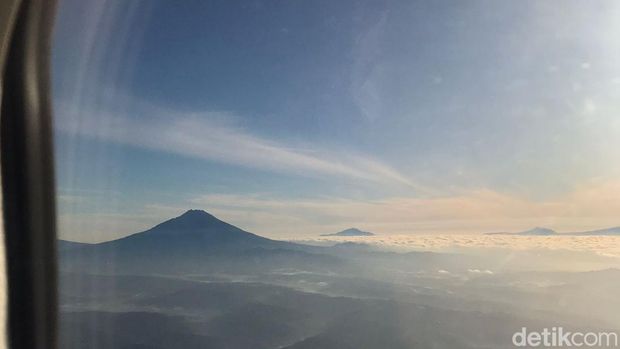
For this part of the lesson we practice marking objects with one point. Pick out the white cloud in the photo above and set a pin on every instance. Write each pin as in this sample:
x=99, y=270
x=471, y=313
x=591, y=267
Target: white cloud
x=211, y=136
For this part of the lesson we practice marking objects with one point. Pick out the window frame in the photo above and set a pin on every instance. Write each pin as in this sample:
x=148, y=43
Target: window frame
x=28, y=185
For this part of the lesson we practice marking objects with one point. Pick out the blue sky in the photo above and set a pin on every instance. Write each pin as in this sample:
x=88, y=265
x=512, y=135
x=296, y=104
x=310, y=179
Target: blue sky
x=302, y=117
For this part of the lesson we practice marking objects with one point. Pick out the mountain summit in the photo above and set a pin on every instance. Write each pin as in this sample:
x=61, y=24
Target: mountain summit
x=192, y=220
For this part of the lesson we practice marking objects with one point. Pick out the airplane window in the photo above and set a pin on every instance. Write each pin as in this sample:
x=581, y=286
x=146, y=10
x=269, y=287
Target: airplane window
x=337, y=174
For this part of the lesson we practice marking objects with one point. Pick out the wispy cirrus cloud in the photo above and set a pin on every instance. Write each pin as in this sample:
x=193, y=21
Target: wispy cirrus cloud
x=213, y=136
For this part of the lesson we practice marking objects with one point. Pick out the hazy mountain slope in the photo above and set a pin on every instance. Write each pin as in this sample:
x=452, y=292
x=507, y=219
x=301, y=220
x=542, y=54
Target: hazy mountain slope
x=64, y=245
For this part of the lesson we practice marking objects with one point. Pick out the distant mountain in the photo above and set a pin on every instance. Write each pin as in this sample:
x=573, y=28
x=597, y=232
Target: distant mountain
x=538, y=231
x=599, y=232
x=350, y=232
x=195, y=241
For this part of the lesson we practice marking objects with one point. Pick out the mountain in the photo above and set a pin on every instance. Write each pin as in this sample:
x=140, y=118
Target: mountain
x=350, y=232
x=548, y=232
x=193, y=230
x=599, y=232
x=196, y=241
x=538, y=231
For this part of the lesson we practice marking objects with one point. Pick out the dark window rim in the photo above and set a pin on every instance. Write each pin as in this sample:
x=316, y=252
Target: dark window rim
x=28, y=174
